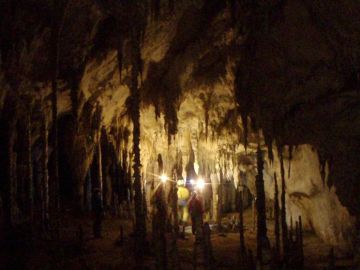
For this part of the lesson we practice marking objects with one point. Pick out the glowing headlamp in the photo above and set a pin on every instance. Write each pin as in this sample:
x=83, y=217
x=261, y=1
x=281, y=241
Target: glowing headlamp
x=163, y=178
x=200, y=184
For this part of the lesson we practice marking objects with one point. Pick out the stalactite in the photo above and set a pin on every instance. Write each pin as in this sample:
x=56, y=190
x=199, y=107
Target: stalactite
x=233, y=11
x=106, y=163
x=120, y=56
x=206, y=104
x=322, y=161
x=155, y=9
x=245, y=127
x=171, y=5
x=290, y=158
x=268, y=142
x=255, y=24
x=283, y=208
x=160, y=164
x=75, y=91
x=206, y=124
x=276, y=218
x=330, y=180
x=74, y=95
x=136, y=71
x=59, y=9
x=171, y=120
x=260, y=206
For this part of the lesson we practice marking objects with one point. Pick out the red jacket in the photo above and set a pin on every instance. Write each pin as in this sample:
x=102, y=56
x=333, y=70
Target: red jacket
x=195, y=206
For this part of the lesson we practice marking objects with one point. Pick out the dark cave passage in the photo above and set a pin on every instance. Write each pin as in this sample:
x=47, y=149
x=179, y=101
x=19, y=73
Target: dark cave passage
x=66, y=187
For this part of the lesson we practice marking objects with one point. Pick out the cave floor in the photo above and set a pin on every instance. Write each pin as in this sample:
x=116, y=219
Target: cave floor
x=105, y=254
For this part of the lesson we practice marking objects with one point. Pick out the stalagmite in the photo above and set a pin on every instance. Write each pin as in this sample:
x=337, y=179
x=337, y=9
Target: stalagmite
x=276, y=219
x=296, y=245
x=242, y=249
x=175, y=225
x=12, y=175
x=29, y=164
x=159, y=221
x=99, y=164
x=301, y=243
x=297, y=232
x=253, y=214
x=251, y=261
x=284, y=228
x=241, y=224
x=331, y=263
x=207, y=248
x=260, y=207
x=291, y=230
x=161, y=230
x=220, y=201
x=80, y=239
x=45, y=174
x=174, y=206
x=145, y=206
x=88, y=189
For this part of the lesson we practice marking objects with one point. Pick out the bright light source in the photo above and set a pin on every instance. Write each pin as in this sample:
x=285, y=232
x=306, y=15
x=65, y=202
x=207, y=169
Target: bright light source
x=200, y=184
x=163, y=178
x=192, y=182
x=180, y=182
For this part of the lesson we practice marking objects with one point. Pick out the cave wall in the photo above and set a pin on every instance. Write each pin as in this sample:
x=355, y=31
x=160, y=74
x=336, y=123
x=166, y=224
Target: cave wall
x=309, y=196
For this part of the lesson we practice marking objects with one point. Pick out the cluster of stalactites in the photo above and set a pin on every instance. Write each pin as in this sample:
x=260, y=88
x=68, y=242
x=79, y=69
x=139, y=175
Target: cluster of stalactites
x=249, y=105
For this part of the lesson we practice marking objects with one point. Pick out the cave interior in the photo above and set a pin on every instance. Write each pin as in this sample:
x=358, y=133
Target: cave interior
x=188, y=134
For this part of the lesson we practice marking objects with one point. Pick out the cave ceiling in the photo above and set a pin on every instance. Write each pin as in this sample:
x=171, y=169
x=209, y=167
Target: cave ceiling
x=215, y=75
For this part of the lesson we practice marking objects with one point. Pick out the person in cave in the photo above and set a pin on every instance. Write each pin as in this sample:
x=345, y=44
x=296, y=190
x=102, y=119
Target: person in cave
x=196, y=212
x=98, y=211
